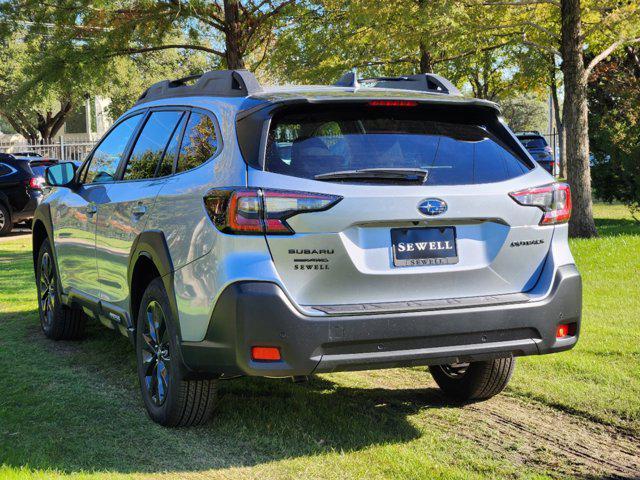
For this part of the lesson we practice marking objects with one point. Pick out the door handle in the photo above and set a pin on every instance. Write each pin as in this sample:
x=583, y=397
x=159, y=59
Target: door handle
x=91, y=209
x=139, y=210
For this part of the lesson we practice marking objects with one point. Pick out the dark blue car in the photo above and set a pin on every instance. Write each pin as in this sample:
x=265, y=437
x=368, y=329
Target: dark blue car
x=21, y=182
x=539, y=149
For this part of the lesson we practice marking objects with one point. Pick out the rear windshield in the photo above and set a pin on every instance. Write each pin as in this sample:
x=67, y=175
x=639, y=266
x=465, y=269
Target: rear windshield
x=320, y=141
x=38, y=168
x=533, y=142
x=38, y=171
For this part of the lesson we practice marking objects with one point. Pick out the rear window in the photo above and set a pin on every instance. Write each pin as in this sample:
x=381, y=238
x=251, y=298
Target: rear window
x=38, y=171
x=533, y=142
x=452, y=151
x=5, y=170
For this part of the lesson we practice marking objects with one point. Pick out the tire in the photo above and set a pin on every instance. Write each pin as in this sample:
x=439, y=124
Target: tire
x=6, y=225
x=169, y=398
x=58, y=321
x=474, y=381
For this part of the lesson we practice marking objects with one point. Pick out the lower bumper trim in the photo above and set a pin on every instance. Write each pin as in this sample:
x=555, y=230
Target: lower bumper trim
x=258, y=313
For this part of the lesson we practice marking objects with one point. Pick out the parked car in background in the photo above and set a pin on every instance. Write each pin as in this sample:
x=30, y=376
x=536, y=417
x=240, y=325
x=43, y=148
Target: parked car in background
x=21, y=182
x=537, y=146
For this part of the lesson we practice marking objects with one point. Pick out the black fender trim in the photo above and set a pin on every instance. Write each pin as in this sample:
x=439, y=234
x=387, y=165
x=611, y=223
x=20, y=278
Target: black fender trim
x=4, y=200
x=152, y=244
x=43, y=215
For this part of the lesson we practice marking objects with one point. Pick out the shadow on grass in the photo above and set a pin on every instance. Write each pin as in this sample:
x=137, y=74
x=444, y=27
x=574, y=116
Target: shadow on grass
x=73, y=406
x=610, y=227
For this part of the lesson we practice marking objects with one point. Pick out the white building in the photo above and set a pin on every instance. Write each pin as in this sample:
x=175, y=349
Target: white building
x=83, y=125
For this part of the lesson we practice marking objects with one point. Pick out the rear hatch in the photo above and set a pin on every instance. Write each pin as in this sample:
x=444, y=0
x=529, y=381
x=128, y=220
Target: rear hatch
x=423, y=210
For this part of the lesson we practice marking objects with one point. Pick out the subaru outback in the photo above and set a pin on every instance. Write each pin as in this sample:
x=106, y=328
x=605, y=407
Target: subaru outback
x=233, y=230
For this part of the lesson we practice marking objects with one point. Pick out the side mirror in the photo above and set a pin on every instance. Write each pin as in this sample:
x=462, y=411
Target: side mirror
x=60, y=175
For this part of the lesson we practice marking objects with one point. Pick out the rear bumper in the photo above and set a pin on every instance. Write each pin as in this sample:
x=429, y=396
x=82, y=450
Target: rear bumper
x=259, y=314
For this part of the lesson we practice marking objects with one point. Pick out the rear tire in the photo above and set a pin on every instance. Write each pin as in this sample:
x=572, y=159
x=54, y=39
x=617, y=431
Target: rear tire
x=6, y=224
x=474, y=381
x=170, y=399
x=58, y=321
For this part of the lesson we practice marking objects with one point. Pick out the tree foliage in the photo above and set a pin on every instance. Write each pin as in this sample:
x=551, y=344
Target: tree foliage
x=395, y=37
x=524, y=112
x=614, y=96
x=34, y=107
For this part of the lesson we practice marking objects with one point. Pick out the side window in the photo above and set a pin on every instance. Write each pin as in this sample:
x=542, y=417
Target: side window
x=166, y=167
x=104, y=163
x=200, y=142
x=150, y=145
x=5, y=169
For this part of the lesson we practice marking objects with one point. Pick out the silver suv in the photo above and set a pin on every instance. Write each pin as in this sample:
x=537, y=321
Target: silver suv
x=229, y=229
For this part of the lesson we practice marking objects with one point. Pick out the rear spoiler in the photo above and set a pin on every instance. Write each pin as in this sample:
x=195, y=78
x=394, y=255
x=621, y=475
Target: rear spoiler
x=361, y=98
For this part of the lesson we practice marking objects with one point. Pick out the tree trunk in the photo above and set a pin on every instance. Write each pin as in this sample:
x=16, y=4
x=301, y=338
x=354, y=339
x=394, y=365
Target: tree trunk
x=233, y=35
x=575, y=112
x=562, y=157
x=426, y=61
x=29, y=134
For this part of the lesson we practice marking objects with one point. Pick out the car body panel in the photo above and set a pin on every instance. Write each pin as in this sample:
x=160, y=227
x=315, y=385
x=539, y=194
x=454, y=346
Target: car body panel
x=74, y=236
x=118, y=225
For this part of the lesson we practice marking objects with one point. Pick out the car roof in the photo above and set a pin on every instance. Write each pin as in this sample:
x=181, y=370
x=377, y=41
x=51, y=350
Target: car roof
x=241, y=88
x=323, y=93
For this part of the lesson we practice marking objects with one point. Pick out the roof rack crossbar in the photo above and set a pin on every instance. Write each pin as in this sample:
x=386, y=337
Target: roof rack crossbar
x=217, y=83
x=425, y=82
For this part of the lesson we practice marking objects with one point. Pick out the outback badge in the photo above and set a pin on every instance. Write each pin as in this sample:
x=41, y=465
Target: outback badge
x=432, y=206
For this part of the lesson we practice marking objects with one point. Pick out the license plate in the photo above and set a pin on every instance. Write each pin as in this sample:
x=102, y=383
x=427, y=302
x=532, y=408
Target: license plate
x=424, y=246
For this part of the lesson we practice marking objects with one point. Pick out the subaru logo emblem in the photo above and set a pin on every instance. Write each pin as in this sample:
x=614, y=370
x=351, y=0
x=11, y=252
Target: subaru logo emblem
x=432, y=206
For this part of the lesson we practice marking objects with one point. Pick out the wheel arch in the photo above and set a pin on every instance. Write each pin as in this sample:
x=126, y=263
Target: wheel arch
x=149, y=259
x=4, y=200
x=42, y=228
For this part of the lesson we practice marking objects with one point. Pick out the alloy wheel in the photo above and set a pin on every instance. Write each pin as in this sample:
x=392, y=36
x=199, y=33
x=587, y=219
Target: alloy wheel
x=47, y=291
x=2, y=219
x=156, y=358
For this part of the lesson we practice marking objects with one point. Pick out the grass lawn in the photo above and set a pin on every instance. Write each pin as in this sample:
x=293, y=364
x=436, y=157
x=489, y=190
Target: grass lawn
x=73, y=408
x=601, y=376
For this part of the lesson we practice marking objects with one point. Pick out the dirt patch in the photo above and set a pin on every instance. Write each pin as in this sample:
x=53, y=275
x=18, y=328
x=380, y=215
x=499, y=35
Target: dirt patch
x=527, y=432
x=540, y=436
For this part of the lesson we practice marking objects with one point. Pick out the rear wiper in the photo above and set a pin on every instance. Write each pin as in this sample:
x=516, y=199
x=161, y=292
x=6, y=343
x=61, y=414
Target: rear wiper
x=415, y=175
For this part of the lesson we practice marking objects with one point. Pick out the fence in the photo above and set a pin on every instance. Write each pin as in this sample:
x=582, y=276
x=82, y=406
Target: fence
x=71, y=151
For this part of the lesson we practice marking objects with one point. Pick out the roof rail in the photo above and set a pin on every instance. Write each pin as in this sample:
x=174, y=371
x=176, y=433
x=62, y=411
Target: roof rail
x=528, y=132
x=423, y=82
x=216, y=83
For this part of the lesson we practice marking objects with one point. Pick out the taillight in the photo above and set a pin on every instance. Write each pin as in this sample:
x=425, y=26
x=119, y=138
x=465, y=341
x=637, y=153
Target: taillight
x=254, y=211
x=553, y=199
x=36, y=183
x=393, y=103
